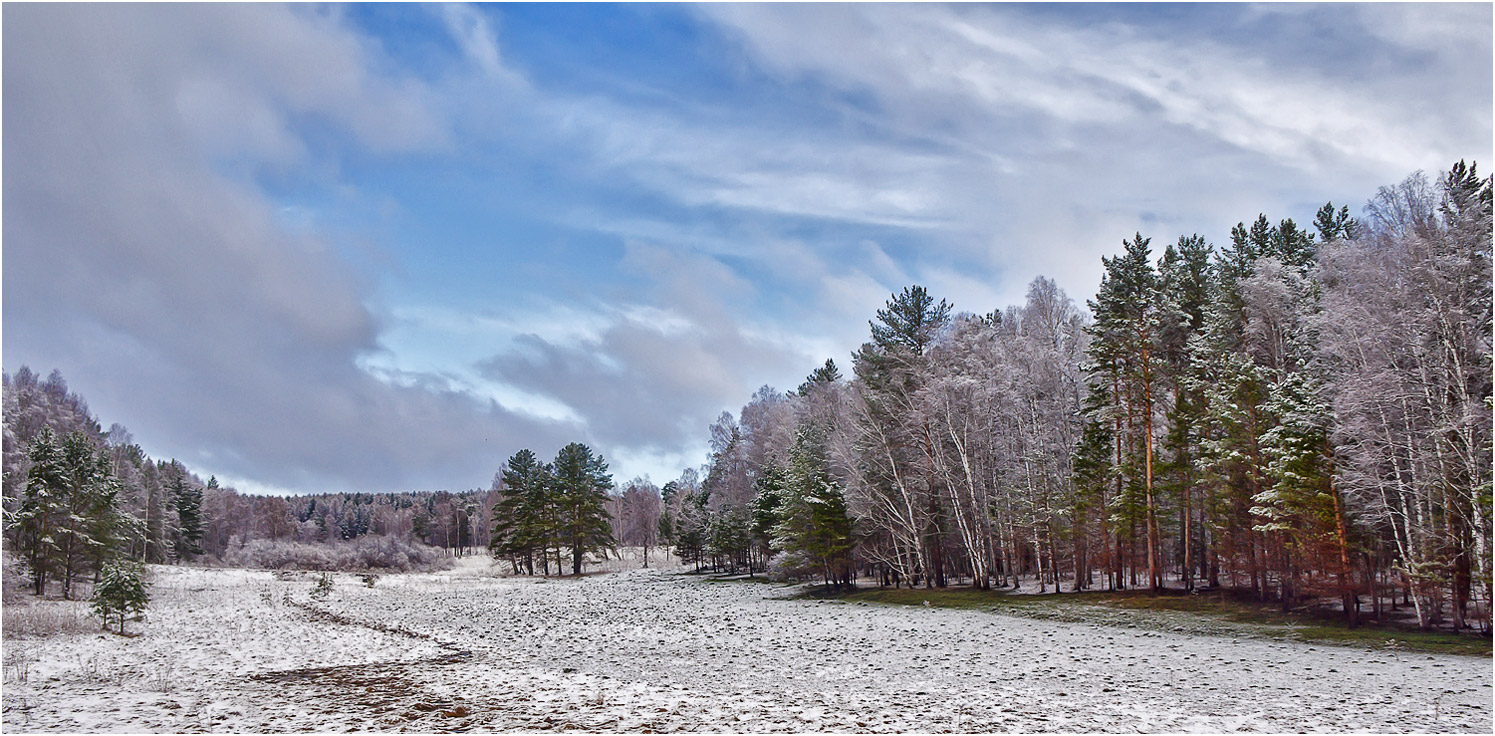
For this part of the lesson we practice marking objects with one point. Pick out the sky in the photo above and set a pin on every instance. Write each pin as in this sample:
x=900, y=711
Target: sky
x=320, y=248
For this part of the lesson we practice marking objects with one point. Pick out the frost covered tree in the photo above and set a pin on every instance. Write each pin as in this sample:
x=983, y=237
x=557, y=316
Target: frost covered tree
x=37, y=523
x=67, y=522
x=120, y=592
x=1405, y=340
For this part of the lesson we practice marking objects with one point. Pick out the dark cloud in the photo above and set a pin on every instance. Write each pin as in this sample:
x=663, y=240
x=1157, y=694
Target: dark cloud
x=141, y=260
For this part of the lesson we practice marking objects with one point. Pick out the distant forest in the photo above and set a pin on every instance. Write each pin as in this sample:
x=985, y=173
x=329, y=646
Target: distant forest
x=164, y=513
x=1301, y=415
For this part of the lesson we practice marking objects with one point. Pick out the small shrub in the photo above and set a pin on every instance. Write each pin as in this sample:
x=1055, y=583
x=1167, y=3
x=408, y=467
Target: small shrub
x=18, y=664
x=323, y=588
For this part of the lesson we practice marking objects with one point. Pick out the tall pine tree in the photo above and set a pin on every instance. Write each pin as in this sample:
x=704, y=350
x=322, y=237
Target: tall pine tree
x=581, y=486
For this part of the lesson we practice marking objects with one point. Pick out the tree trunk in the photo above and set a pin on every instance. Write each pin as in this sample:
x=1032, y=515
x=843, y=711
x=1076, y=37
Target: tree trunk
x=1155, y=580
x=1351, y=601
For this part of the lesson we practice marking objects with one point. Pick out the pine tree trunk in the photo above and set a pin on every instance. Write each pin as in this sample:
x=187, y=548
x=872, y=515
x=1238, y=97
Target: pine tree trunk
x=1154, y=578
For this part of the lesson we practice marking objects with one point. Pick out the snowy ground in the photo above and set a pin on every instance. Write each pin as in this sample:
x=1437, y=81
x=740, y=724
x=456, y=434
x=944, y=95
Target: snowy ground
x=653, y=650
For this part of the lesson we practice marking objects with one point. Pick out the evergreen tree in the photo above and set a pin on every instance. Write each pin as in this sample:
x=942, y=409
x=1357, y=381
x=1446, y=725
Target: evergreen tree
x=1332, y=225
x=581, y=486
x=827, y=373
x=815, y=524
x=186, y=497
x=1129, y=321
x=67, y=522
x=1185, y=276
x=1094, y=472
x=899, y=458
x=38, y=520
x=1301, y=506
x=519, y=517
x=120, y=592
x=771, y=486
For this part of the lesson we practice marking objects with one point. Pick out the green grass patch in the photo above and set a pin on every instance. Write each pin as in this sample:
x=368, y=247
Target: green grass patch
x=1218, y=612
x=737, y=578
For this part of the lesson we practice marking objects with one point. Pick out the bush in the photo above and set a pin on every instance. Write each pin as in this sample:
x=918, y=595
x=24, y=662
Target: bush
x=388, y=554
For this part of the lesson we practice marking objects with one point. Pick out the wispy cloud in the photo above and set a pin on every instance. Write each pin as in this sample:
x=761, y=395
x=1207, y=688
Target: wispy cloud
x=180, y=179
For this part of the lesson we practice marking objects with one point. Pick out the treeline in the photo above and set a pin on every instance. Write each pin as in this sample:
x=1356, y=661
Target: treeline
x=76, y=496
x=1301, y=415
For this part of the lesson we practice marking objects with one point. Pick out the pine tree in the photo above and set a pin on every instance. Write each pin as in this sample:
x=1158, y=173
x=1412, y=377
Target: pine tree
x=1301, y=505
x=900, y=460
x=1126, y=331
x=1332, y=225
x=815, y=524
x=517, y=517
x=910, y=321
x=581, y=486
x=120, y=592
x=67, y=523
x=1185, y=278
x=771, y=485
x=827, y=373
x=1093, y=474
x=40, y=517
x=186, y=498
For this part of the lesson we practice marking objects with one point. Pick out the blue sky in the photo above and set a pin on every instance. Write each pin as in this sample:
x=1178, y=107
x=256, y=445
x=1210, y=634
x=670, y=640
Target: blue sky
x=383, y=247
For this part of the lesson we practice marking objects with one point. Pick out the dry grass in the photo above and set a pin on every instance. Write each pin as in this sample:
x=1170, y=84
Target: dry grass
x=36, y=618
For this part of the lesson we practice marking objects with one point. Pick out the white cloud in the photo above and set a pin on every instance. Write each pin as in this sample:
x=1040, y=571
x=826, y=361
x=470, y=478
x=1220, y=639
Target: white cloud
x=164, y=284
x=966, y=148
x=473, y=32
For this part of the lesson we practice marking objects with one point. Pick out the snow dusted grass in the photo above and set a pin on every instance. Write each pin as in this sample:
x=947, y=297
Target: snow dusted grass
x=656, y=650
x=30, y=617
x=1210, y=613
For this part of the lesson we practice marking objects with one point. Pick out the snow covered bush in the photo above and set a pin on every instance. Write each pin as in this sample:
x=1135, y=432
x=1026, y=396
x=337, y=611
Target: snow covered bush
x=365, y=553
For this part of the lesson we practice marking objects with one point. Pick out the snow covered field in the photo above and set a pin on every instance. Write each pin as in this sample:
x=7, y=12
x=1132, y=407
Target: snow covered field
x=652, y=650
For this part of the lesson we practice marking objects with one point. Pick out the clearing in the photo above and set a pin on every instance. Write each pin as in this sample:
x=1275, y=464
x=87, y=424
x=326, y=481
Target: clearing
x=655, y=650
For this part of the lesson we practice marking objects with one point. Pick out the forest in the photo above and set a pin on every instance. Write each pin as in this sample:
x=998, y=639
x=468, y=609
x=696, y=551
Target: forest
x=1299, y=415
